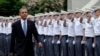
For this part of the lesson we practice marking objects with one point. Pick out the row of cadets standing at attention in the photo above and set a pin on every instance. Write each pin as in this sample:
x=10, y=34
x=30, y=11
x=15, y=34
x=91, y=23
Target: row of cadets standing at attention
x=69, y=33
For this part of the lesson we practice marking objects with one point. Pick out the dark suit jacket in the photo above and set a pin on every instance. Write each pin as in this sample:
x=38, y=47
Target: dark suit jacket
x=24, y=46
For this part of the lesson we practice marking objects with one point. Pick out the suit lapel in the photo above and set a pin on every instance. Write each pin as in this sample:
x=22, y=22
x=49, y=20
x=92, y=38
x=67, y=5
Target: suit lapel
x=28, y=25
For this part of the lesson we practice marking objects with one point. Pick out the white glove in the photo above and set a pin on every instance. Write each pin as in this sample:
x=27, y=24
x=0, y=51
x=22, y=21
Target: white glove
x=44, y=40
x=82, y=42
x=93, y=45
x=58, y=42
x=33, y=41
x=67, y=41
x=74, y=42
x=52, y=41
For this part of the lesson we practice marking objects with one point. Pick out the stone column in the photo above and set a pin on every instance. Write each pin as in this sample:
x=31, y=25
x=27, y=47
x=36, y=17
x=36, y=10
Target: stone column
x=69, y=4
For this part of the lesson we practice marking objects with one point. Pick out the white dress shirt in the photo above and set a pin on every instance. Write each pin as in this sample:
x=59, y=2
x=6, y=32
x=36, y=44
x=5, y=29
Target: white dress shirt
x=56, y=28
x=78, y=27
x=45, y=27
x=4, y=28
x=9, y=27
x=50, y=28
x=71, y=31
x=22, y=23
x=40, y=28
x=1, y=27
x=89, y=31
x=97, y=26
x=63, y=29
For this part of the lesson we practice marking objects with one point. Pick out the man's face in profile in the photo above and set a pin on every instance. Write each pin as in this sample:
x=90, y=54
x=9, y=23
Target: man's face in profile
x=23, y=13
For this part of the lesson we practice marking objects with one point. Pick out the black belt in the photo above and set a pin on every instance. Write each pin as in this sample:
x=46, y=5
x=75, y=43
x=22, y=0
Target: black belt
x=56, y=35
x=64, y=35
x=50, y=36
x=97, y=36
x=41, y=35
x=79, y=36
x=70, y=37
x=3, y=33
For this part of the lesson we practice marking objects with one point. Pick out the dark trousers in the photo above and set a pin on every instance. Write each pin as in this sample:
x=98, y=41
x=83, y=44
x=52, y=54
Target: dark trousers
x=97, y=48
x=8, y=39
x=56, y=46
x=70, y=46
x=41, y=50
x=64, y=46
x=1, y=45
x=49, y=46
x=78, y=46
x=89, y=48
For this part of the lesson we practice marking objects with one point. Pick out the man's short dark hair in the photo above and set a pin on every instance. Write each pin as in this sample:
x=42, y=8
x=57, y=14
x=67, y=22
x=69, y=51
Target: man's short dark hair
x=22, y=9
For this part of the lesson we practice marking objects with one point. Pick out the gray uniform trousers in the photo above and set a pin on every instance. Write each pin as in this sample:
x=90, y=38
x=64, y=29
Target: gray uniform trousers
x=97, y=47
x=49, y=46
x=88, y=46
x=1, y=45
x=56, y=46
x=8, y=39
x=4, y=42
x=64, y=46
x=78, y=46
x=40, y=50
x=70, y=46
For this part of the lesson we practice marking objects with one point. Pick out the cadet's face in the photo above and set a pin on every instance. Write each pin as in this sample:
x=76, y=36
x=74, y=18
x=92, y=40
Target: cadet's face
x=78, y=14
x=41, y=18
x=70, y=15
x=97, y=13
x=50, y=17
x=0, y=19
x=63, y=16
x=56, y=16
x=23, y=13
x=88, y=14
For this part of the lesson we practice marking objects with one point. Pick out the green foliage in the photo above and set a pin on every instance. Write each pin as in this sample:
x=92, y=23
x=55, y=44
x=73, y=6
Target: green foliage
x=65, y=5
x=46, y=6
x=10, y=7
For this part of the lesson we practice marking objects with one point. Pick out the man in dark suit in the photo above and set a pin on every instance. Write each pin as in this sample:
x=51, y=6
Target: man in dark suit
x=21, y=38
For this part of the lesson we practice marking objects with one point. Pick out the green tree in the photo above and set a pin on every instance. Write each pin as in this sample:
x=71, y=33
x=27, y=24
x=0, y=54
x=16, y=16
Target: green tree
x=10, y=7
x=65, y=5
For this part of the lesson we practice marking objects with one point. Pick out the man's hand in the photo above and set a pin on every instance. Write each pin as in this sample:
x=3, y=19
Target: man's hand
x=11, y=54
x=40, y=44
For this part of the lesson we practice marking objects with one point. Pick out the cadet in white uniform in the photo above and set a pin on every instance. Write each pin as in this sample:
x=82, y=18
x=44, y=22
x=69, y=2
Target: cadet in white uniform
x=35, y=46
x=56, y=32
x=71, y=33
x=45, y=26
x=89, y=32
x=97, y=30
x=78, y=26
x=4, y=37
x=50, y=34
x=1, y=38
x=8, y=30
x=64, y=30
x=40, y=28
